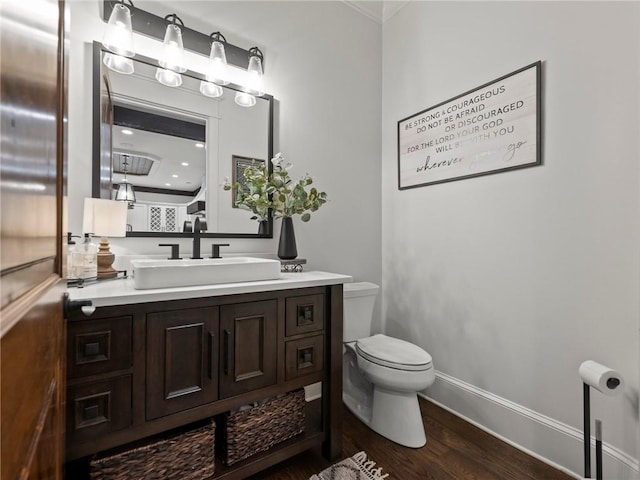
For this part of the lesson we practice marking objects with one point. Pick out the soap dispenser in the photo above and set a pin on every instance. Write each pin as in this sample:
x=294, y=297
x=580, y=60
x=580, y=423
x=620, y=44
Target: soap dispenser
x=74, y=259
x=89, y=258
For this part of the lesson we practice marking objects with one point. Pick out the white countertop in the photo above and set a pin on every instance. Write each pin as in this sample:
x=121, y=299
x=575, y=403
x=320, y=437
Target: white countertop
x=121, y=291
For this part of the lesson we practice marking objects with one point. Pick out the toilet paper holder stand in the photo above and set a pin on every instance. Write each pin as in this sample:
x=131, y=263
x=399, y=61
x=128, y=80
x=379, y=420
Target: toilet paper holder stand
x=612, y=384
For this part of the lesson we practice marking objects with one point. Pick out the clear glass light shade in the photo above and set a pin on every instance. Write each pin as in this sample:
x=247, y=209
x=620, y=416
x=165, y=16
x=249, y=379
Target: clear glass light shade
x=118, y=36
x=209, y=89
x=125, y=192
x=172, y=57
x=245, y=99
x=254, y=84
x=217, y=69
x=168, y=77
x=118, y=63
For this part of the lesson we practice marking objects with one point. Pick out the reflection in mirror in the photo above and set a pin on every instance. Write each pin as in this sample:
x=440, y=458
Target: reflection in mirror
x=179, y=147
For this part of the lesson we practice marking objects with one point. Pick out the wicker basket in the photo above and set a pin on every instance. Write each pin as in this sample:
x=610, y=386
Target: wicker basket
x=247, y=432
x=186, y=456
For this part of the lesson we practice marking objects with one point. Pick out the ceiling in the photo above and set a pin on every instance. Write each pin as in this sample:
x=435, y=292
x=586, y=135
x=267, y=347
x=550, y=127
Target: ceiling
x=377, y=10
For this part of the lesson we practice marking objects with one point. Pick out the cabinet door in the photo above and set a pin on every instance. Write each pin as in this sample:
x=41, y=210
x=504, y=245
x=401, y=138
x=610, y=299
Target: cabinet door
x=182, y=360
x=248, y=350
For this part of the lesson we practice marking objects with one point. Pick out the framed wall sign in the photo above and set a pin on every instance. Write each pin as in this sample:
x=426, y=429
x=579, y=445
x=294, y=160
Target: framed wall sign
x=490, y=129
x=237, y=172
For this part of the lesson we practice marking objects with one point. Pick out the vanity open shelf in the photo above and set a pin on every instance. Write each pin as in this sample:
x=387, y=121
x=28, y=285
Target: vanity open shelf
x=136, y=370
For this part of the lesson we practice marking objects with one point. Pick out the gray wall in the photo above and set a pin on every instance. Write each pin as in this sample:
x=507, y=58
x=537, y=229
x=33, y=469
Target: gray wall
x=511, y=280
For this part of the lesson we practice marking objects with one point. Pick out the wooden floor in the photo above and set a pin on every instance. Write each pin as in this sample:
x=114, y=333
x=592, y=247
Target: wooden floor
x=455, y=450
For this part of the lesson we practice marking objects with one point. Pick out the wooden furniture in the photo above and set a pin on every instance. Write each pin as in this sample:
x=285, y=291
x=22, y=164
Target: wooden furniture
x=33, y=87
x=140, y=369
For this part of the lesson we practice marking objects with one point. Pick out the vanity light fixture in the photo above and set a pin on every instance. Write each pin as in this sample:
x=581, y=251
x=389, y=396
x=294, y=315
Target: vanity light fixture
x=125, y=191
x=118, y=39
x=245, y=99
x=118, y=35
x=172, y=59
x=168, y=78
x=118, y=63
x=209, y=89
x=217, y=69
x=253, y=86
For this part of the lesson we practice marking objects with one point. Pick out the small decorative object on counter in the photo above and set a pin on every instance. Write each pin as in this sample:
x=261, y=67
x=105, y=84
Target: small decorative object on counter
x=88, y=254
x=184, y=456
x=74, y=259
x=278, y=195
x=256, y=429
x=295, y=265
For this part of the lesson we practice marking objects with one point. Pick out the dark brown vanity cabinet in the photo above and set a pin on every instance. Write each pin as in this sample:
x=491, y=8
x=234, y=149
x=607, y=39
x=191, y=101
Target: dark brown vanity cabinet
x=139, y=370
x=248, y=349
x=182, y=360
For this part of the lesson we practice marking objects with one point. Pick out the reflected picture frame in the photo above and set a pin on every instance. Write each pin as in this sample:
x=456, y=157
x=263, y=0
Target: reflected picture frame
x=238, y=165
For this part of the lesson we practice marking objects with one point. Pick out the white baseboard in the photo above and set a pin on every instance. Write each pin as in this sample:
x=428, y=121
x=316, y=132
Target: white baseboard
x=542, y=437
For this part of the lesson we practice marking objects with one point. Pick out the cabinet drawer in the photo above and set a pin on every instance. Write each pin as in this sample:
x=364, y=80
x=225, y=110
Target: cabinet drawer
x=304, y=314
x=98, y=346
x=304, y=356
x=97, y=408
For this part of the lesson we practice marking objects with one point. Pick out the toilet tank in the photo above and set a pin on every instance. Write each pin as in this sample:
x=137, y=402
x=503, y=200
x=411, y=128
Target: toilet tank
x=359, y=299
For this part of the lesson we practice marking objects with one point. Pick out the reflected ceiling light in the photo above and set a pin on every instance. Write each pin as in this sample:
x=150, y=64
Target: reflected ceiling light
x=199, y=145
x=126, y=131
x=209, y=89
x=185, y=164
x=217, y=69
x=172, y=57
x=118, y=35
x=118, y=63
x=125, y=191
x=245, y=99
x=174, y=175
x=168, y=77
x=254, y=84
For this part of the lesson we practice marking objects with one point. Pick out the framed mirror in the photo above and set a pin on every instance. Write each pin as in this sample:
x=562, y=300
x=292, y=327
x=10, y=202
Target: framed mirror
x=176, y=148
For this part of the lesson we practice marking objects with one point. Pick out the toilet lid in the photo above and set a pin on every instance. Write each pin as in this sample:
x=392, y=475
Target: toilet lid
x=393, y=352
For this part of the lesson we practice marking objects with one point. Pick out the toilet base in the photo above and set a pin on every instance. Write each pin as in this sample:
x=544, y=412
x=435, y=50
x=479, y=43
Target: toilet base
x=396, y=416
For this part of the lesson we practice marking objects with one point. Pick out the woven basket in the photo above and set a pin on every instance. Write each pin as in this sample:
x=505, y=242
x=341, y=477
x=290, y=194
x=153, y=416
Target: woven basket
x=187, y=456
x=245, y=433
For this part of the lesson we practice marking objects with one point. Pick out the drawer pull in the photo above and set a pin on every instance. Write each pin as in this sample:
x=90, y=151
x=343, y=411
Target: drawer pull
x=90, y=412
x=91, y=349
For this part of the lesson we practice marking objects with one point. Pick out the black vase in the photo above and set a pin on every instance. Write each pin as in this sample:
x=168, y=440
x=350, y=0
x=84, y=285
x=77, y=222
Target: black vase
x=263, y=227
x=287, y=247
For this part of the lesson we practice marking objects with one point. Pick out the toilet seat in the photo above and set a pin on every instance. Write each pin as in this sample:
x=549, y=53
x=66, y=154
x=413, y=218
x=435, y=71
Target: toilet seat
x=393, y=353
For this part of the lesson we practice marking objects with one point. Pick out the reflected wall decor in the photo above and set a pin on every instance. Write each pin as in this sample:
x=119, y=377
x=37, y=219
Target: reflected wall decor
x=493, y=128
x=239, y=163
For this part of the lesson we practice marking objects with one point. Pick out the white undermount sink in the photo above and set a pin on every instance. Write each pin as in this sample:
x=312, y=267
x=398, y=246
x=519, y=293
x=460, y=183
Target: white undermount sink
x=149, y=273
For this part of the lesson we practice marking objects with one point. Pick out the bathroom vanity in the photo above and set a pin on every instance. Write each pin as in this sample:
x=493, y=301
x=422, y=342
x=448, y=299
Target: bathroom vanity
x=143, y=362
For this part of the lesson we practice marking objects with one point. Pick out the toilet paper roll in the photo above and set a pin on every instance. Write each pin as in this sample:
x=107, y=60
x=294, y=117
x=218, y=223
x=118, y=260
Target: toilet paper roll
x=601, y=378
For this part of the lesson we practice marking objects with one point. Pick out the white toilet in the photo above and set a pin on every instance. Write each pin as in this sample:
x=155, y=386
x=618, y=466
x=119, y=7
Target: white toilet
x=381, y=374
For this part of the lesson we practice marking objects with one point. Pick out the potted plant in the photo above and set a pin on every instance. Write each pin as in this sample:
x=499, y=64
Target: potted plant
x=279, y=194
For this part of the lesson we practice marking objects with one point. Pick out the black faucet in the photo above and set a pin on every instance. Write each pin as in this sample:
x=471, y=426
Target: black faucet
x=199, y=226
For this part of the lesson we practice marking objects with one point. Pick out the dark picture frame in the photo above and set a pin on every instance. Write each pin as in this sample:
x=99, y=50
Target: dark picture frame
x=493, y=128
x=238, y=165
